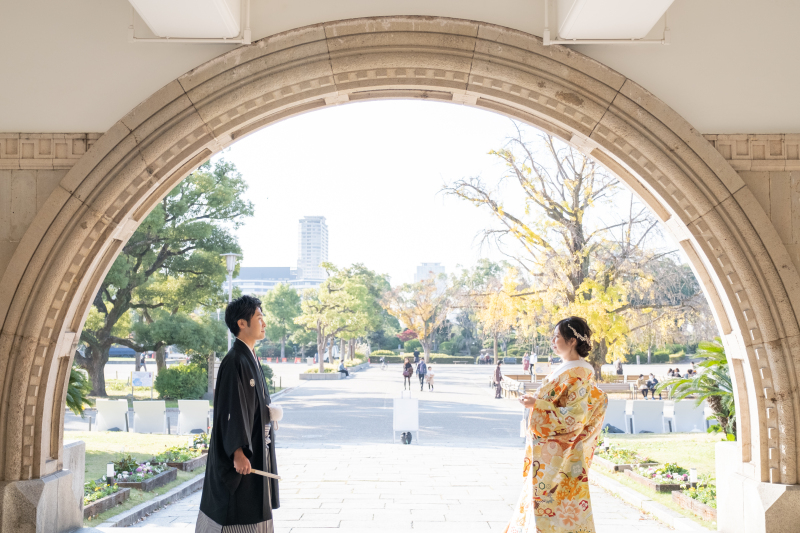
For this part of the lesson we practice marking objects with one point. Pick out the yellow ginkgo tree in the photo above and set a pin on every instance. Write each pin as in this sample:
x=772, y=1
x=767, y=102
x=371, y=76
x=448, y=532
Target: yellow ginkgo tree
x=421, y=307
x=584, y=247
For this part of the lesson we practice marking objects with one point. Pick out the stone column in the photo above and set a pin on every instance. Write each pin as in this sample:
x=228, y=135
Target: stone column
x=51, y=504
x=745, y=505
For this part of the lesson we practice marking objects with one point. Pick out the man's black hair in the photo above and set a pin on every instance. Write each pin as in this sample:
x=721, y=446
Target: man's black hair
x=242, y=307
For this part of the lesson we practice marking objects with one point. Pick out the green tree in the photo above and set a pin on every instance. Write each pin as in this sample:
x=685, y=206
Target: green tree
x=78, y=391
x=169, y=267
x=340, y=305
x=280, y=307
x=713, y=384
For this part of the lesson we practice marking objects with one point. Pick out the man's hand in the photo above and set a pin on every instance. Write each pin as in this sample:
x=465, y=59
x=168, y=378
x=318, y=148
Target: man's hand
x=240, y=462
x=527, y=400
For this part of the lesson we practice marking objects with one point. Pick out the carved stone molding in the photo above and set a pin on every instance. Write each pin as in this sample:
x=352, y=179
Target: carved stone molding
x=752, y=284
x=773, y=152
x=47, y=151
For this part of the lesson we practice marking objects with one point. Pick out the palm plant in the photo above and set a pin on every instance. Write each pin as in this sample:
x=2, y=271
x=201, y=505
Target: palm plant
x=78, y=391
x=713, y=384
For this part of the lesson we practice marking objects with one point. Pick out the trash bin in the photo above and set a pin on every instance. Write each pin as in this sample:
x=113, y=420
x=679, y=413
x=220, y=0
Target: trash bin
x=309, y=361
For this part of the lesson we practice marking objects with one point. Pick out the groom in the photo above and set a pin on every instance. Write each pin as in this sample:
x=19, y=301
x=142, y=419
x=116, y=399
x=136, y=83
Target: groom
x=234, y=499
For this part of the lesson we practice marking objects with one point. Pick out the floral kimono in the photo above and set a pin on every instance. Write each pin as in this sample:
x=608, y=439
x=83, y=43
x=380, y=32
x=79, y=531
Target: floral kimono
x=563, y=428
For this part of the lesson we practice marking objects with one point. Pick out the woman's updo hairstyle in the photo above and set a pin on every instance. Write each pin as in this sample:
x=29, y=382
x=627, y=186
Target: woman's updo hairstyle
x=574, y=327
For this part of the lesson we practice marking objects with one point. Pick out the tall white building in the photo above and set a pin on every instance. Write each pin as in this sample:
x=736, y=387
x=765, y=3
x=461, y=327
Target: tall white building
x=313, y=247
x=427, y=271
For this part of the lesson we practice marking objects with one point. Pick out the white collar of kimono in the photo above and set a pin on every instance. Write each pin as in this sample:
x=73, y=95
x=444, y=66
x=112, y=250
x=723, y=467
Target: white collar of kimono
x=249, y=349
x=567, y=365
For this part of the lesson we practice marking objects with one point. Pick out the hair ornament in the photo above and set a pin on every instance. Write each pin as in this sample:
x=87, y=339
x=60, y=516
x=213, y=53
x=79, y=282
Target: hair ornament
x=584, y=338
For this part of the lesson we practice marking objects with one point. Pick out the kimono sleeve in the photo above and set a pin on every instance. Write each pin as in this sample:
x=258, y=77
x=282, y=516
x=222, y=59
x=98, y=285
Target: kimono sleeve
x=236, y=410
x=562, y=410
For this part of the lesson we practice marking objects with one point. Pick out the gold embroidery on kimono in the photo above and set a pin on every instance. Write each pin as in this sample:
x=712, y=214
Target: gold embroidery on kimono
x=563, y=429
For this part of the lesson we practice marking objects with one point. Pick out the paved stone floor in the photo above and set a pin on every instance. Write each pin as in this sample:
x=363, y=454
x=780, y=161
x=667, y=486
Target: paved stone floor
x=341, y=470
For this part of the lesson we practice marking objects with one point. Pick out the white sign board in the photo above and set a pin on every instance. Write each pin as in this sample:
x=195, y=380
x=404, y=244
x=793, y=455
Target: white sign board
x=541, y=368
x=142, y=379
x=405, y=414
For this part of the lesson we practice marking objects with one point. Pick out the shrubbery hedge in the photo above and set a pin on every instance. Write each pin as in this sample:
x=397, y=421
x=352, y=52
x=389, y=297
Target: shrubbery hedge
x=182, y=382
x=447, y=347
x=412, y=345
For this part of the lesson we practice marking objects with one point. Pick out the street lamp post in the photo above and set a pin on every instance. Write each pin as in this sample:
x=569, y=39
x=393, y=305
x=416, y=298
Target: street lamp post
x=230, y=263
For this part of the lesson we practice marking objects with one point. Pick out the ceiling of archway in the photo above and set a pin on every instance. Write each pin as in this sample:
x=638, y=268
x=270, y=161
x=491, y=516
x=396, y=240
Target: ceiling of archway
x=728, y=69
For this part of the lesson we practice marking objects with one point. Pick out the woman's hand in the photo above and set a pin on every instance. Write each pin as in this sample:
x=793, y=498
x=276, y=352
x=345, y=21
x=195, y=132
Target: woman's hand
x=527, y=400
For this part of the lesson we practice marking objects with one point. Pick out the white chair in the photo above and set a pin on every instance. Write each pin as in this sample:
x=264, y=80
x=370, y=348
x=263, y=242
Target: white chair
x=690, y=418
x=112, y=415
x=150, y=416
x=668, y=420
x=644, y=415
x=615, y=414
x=193, y=417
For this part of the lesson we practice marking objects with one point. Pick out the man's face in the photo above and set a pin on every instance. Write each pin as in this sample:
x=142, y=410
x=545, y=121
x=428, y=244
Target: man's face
x=256, y=330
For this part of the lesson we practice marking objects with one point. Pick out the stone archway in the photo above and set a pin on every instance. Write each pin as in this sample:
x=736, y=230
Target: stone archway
x=736, y=252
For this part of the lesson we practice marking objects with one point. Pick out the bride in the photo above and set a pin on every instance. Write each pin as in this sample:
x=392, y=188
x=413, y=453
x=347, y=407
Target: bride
x=566, y=416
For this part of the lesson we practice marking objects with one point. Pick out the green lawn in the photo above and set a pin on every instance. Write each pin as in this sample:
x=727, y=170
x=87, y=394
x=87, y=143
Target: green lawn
x=689, y=450
x=102, y=448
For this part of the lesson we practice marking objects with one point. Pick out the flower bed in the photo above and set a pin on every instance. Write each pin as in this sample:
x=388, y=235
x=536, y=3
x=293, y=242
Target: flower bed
x=146, y=484
x=702, y=501
x=666, y=478
x=99, y=496
x=182, y=458
x=143, y=476
x=620, y=459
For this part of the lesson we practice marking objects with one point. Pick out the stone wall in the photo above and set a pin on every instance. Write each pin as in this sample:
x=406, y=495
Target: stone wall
x=31, y=166
x=770, y=166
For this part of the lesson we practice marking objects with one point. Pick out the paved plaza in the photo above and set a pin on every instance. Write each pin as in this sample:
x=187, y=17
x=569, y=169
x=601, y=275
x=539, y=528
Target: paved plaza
x=341, y=470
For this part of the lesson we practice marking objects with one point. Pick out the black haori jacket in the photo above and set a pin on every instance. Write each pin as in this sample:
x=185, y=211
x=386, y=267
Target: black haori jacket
x=241, y=411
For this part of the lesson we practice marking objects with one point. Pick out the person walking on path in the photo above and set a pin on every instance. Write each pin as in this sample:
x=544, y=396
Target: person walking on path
x=408, y=371
x=234, y=499
x=526, y=362
x=422, y=369
x=618, y=366
x=498, y=379
x=416, y=356
x=562, y=430
x=429, y=377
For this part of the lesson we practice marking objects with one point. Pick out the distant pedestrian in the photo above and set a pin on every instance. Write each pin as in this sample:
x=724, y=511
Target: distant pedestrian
x=416, y=356
x=422, y=369
x=651, y=385
x=498, y=378
x=408, y=371
x=549, y=359
x=526, y=362
x=343, y=370
x=429, y=377
x=618, y=366
x=142, y=362
x=641, y=383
